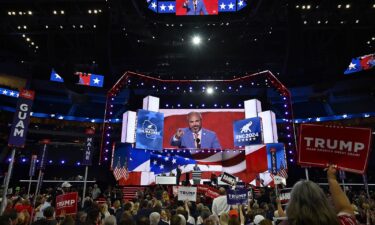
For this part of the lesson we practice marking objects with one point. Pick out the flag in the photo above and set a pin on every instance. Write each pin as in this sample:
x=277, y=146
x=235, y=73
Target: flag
x=117, y=170
x=241, y=4
x=153, y=6
x=365, y=61
x=227, y=5
x=354, y=66
x=283, y=171
x=89, y=79
x=166, y=7
x=56, y=77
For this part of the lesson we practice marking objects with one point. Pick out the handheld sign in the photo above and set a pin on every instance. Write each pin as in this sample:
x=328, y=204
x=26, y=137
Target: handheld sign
x=228, y=178
x=187, y=193
x=66, y=202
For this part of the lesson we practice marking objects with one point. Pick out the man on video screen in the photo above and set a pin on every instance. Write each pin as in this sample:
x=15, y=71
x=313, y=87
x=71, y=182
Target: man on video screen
x=195, y=136
x=195, y=7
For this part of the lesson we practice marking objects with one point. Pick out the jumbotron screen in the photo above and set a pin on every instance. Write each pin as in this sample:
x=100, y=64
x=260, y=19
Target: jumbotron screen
x=219, y=121
x=196, y=7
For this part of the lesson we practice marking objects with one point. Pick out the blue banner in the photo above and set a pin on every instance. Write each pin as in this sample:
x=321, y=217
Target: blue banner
x=149, y=131
x=32, y=165
x=239, y=196
x=276, y=157
x=248, y=132
x=21, y=119
x=87, y=158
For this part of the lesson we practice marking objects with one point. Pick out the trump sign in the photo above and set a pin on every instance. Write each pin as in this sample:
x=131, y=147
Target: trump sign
x=66, y=203
x=347, y=147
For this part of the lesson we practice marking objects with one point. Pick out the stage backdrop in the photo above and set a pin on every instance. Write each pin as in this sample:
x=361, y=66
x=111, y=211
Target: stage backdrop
x=218, y=120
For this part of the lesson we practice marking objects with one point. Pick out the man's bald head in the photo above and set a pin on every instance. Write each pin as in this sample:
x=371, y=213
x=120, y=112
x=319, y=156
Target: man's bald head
x=195, y=121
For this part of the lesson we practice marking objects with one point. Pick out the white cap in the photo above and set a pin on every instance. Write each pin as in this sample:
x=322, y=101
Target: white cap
x=66, y=184
x=258, y=219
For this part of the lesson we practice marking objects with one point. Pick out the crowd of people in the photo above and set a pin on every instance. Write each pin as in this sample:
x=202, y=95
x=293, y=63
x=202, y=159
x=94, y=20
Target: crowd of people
x=157, y=205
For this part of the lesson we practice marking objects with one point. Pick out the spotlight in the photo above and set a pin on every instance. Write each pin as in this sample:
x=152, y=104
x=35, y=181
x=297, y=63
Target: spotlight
x=196, y=40
x=347, y=6
x=54, y=12
x=89, y=11
x=210, y=90
x=30, y=12
x=62, y=12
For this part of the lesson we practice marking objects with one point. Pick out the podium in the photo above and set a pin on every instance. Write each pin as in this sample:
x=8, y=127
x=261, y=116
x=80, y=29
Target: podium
x=196, y=175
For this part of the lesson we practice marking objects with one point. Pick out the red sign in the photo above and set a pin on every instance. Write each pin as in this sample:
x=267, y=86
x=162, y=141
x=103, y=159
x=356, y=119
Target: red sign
x=202, y=188
x=212, y=192
x=66, y=203
x=347, y=147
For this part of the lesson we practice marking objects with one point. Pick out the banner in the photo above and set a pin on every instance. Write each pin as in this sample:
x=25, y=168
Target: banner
x=276, y=157
x=228, y=178
x=284, y=195
x=247, y=132
x=87, y=158
x=239, y=196
x=212, y=193
x=66, y=202
x=347, y=147
x=149, y=132
x=32, y=165
x=21, y=119
x=187, y=193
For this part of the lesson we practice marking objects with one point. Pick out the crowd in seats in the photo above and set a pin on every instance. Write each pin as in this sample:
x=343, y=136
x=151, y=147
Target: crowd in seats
x=156, y=205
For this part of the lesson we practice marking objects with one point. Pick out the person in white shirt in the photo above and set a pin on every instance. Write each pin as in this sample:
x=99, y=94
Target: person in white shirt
x=219, y=204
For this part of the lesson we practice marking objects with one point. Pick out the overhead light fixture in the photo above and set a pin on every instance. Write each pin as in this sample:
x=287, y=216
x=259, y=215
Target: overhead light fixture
x=357, y=21
x=27, y=39
x=196, y=40
x=30, y=13
x=308, y=6
x=23, y=35
x=46, y=26
x=37, y=47
x=94, y=26
x=20, y=13
x=89, y=11
x=210, y=90
x=19, y=27
x=32, y=43
x=9, y=13
x=95, y=11
x=339, y=6
x=14, y=13
x=62, y=12
x=24, y=27
x=54, y=12
x=347, y=6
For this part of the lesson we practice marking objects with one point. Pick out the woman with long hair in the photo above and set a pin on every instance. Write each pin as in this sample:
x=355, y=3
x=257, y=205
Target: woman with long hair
x=309, y=205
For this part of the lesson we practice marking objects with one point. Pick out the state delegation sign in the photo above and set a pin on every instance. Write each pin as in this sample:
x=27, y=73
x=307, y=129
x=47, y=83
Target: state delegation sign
x=347, y=147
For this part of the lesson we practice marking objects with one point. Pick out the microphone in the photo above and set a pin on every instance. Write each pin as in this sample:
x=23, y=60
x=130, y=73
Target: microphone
x=198, y=141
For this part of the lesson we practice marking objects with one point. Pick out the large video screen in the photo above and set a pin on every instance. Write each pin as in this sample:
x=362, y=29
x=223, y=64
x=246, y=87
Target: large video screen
x=219, y=121
x=196, y=7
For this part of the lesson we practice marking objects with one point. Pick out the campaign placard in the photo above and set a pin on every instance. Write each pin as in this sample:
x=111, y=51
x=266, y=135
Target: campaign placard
x=347, y=147
x=238, y=196
x=149, y=131
x=248, y=132
x=187, y=193
x=212, y=193
x=66, y=203
x=228, y=178
x=284, y=195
